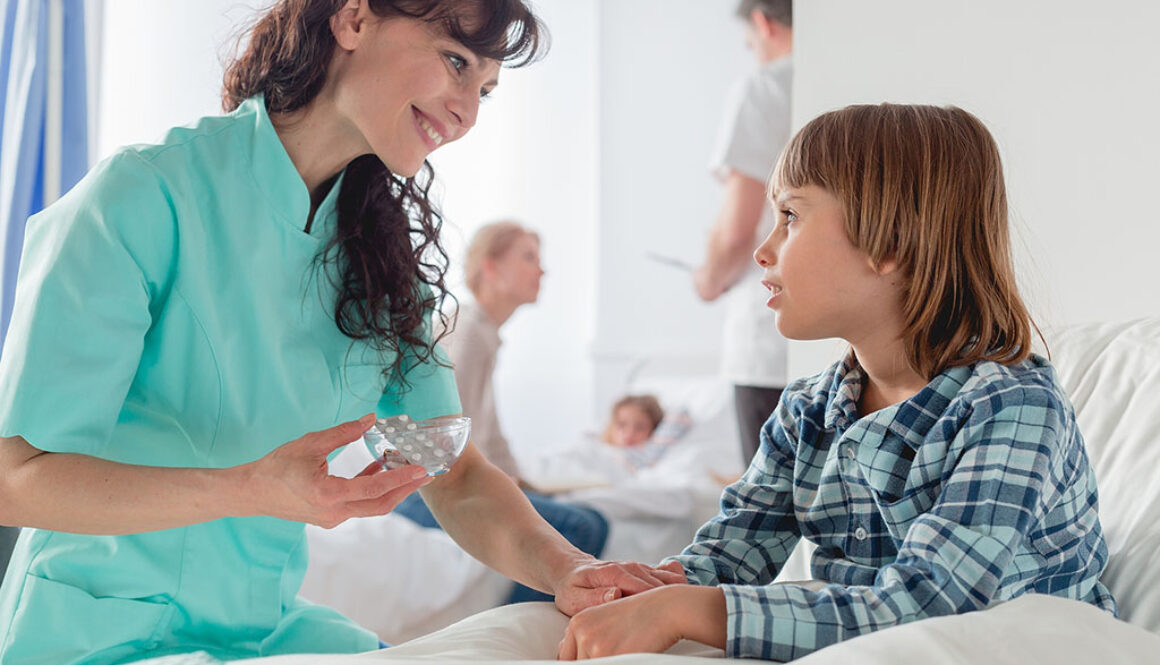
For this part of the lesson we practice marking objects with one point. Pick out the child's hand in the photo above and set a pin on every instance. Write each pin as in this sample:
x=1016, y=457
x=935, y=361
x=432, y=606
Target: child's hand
x=648, y=622
x=635, y=624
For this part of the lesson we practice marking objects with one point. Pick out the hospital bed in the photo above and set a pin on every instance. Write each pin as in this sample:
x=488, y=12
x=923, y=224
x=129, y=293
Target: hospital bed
x=1112, y=373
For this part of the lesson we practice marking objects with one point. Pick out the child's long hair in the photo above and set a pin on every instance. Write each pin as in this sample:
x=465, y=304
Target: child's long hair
x=923, y=186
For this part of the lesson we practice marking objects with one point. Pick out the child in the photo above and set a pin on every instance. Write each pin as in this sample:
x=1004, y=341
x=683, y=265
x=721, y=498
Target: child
x=634, y=419
x=636, y=438
x=638, y=431
x=937, y=467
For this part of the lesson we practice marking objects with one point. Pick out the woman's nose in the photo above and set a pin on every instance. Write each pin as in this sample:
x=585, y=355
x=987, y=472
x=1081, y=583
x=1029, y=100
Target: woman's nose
x=465, y=108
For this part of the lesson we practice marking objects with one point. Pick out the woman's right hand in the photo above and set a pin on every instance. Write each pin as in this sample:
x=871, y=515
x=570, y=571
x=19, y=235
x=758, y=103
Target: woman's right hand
x=293, y=481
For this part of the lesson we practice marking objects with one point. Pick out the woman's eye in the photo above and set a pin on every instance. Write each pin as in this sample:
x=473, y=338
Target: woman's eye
x=457, y=61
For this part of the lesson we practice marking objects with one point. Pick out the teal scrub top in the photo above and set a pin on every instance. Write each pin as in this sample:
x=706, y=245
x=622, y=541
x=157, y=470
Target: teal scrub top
x=170, y=312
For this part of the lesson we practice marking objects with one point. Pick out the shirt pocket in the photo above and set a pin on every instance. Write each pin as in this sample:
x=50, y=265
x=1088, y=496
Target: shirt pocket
x=899, y=512
x=60, y=624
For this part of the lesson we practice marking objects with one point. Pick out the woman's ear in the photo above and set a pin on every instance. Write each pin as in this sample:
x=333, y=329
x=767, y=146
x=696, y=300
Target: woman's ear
x=487, y=270
x=347, y=25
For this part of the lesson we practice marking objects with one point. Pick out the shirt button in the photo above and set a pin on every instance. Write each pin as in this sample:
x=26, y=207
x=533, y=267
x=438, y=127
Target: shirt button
x=851, y=453
x=860, y=533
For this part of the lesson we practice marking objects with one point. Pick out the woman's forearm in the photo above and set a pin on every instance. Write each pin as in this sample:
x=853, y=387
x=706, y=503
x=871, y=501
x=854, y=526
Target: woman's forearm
x=490, y=518
x=83, y=494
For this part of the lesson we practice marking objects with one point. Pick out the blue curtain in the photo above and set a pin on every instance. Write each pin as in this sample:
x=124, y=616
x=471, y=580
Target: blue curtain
x=24, y=97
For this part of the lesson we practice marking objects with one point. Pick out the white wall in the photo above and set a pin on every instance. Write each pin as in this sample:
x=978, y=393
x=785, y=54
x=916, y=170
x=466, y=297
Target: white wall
x=1068, y=88
x=161, y=65
x=665, y=69
x=603, y=147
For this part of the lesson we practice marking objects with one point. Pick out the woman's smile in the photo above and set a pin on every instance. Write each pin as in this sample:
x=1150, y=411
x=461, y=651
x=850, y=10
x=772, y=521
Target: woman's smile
x=430, y=130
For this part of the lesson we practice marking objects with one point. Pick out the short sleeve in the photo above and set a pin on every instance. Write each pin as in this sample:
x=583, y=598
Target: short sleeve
x=92, y=264
x=428, y=389
x=756, y=126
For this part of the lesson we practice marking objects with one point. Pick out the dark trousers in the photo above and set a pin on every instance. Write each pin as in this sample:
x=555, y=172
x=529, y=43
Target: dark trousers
x=8, y=536
x=754, y=405
x=582, y=526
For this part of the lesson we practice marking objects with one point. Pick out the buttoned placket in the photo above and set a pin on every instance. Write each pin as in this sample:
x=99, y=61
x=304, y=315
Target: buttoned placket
x=855, y=486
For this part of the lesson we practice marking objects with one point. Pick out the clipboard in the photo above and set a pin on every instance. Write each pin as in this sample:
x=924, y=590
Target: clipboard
x=670, y=261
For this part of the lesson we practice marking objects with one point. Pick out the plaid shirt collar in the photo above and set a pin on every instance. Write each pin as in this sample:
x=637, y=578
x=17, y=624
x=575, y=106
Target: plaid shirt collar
x=908, y=419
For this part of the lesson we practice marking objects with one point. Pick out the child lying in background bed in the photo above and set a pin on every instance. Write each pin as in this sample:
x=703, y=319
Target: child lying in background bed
x=638, y=429
x=633, y=420
x=636, y=437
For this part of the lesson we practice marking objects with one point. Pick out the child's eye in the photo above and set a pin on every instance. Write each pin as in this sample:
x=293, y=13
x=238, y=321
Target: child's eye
x=789, y=216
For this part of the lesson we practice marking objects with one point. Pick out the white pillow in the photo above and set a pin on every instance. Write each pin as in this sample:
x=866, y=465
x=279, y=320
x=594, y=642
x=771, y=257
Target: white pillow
x=708, y=401
x=1112, y=374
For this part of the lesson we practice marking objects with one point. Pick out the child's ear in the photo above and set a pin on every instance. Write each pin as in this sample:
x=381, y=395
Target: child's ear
x=887, y=266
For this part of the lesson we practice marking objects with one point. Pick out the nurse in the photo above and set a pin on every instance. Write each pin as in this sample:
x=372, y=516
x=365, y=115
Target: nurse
x=200, y=323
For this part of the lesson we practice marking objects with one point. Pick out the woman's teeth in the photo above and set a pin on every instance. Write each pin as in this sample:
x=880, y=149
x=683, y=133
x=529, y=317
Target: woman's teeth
x=434, y=135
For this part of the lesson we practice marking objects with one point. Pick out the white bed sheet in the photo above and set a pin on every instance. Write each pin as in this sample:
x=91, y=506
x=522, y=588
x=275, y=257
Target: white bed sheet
x=1031, y=629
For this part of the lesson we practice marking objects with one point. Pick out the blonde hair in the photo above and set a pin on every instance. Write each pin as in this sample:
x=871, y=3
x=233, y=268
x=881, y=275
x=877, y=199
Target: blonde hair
x=646, y=403
x=923, y=186
x=491, y=241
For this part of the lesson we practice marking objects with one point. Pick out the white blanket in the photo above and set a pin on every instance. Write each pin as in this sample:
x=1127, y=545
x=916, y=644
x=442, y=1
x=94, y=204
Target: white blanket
x=1031, y=629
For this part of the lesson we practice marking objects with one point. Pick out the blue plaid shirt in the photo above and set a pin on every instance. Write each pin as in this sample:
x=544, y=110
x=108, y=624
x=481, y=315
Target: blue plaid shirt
x=976, y=490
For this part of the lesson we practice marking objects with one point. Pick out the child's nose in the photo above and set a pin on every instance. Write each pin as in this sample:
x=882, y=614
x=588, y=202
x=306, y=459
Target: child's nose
x=766, y=253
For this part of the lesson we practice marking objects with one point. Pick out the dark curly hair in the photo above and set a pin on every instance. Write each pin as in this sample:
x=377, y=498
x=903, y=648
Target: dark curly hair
x=385, y=258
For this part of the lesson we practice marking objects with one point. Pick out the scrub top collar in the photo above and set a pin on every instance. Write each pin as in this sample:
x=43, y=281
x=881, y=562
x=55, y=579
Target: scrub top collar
x=279, y=181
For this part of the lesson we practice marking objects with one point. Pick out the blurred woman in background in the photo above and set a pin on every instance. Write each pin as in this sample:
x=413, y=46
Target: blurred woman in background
x=503, y=273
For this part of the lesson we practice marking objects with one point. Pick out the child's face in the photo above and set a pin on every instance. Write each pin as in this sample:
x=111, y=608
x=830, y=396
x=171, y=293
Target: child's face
x=631, y=426
x=821, y=285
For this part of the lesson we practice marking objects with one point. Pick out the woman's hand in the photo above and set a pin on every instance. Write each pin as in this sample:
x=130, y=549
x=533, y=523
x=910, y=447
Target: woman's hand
x=648, y=622
x=594, y=582
x=293, y=482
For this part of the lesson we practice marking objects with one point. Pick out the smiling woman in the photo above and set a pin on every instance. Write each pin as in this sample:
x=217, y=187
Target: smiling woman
x=261, y=277
x=361, y=82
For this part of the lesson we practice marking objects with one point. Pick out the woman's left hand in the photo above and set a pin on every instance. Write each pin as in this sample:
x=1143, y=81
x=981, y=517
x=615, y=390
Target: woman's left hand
x=596, y=582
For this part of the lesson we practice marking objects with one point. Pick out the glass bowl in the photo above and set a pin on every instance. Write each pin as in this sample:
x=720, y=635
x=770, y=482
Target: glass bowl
x=433, y=444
